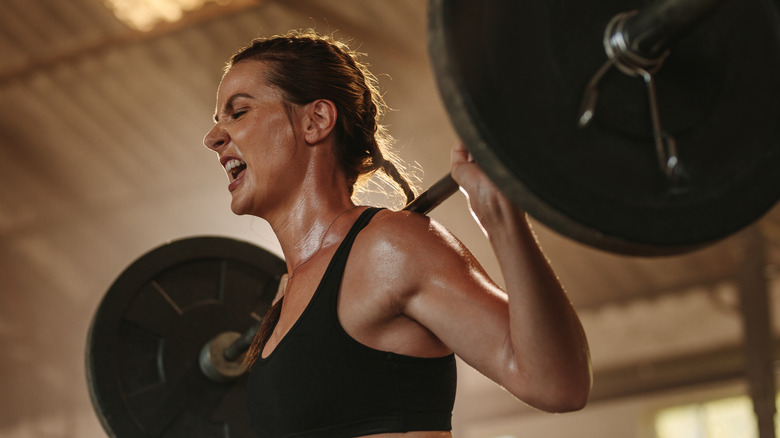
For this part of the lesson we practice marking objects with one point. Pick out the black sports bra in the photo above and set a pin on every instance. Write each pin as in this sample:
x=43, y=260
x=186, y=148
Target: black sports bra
x=320, y=382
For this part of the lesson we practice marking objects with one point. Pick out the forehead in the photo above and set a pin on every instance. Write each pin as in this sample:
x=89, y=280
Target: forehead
x=245, y=77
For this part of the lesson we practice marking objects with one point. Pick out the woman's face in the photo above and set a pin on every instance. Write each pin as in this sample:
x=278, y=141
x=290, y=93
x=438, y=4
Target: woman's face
x=255, y=139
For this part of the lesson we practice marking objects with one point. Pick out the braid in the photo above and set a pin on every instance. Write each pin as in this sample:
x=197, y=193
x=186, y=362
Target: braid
x=390, y=170
x=264, y=333
x=376, y=136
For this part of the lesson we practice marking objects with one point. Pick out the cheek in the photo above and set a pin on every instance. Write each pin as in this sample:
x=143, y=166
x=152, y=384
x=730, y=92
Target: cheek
x=282, y=141
x=272, y=150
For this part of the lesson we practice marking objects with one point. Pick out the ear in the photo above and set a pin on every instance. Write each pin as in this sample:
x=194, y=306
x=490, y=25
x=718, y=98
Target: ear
x=320, y=118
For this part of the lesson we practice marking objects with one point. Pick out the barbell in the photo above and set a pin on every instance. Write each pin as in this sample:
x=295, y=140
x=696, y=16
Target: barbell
x=635, y=128
x=649, y=132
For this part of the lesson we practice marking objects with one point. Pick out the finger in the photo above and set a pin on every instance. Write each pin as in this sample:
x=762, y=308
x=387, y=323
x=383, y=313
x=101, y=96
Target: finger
x=460, y=154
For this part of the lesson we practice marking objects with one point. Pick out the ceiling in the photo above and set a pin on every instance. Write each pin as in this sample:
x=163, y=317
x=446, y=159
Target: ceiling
x=101, y=159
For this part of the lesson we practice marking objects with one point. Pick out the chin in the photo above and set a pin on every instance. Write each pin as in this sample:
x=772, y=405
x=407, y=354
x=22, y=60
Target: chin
x=238, y=208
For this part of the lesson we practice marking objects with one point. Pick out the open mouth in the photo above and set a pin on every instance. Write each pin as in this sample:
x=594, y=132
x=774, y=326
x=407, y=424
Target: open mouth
x=234, y=168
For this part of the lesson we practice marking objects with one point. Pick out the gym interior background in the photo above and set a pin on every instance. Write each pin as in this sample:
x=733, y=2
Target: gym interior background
x=101, y=160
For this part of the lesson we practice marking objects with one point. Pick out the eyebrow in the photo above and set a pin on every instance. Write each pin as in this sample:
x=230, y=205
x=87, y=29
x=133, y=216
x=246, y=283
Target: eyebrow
x=229, y=104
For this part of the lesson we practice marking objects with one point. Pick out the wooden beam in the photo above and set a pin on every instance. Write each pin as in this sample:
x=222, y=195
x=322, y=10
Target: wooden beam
x=756, y=320
x=672, y=373
x=130, y=36
x=726, y=364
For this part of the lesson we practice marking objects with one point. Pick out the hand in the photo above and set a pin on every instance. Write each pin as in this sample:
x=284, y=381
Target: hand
x=486, y=201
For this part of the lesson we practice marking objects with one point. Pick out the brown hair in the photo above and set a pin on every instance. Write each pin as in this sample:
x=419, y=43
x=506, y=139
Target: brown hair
x=266, y=328
x=306, y=66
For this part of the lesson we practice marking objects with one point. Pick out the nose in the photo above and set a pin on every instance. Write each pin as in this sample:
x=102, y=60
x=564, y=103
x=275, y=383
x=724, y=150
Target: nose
x=216, y=137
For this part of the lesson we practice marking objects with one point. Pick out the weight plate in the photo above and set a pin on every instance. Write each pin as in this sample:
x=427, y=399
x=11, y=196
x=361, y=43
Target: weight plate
x=146, y=336
x=513, y=74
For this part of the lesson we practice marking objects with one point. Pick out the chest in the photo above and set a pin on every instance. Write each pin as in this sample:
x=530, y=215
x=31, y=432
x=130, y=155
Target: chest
x=320, y=379
x=361, y=307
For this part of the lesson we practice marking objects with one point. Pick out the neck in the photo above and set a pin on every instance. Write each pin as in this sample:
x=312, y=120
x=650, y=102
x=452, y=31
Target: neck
x=309, y=218
x=305, y=231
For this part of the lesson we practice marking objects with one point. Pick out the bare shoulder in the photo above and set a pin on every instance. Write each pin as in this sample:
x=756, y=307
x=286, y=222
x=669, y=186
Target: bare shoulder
x=411, y=243
x=395, y=258
x=409, y=232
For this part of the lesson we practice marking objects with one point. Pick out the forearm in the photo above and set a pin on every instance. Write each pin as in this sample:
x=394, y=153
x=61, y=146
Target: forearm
x=548, y=344
x=544, y=358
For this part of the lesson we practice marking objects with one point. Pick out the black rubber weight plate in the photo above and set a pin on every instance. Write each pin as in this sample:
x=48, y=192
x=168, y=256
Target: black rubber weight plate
x=143, y=344
x=512, y=75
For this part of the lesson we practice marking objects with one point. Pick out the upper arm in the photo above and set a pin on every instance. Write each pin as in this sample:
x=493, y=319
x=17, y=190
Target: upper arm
x=440, y=285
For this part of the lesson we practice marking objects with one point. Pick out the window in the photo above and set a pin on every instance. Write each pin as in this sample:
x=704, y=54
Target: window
x=145, y=14
x=731, y=417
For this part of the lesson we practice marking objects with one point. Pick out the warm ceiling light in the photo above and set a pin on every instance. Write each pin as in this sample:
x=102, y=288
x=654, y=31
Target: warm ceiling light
x=145, y=14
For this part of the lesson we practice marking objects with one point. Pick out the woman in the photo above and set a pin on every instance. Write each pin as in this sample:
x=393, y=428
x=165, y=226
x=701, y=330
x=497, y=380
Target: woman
x=376, y=301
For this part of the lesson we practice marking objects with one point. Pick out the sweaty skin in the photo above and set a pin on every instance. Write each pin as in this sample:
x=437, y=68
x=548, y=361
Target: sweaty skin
x=409, y=285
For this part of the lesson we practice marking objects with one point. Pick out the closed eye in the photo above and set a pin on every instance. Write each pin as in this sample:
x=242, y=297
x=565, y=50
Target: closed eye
x=238, y=114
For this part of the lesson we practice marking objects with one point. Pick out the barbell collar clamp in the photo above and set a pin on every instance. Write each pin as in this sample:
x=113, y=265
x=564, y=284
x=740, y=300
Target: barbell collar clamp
x=213, y=362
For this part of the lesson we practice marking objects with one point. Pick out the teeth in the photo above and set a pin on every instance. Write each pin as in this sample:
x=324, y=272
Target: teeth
x=232, y=164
